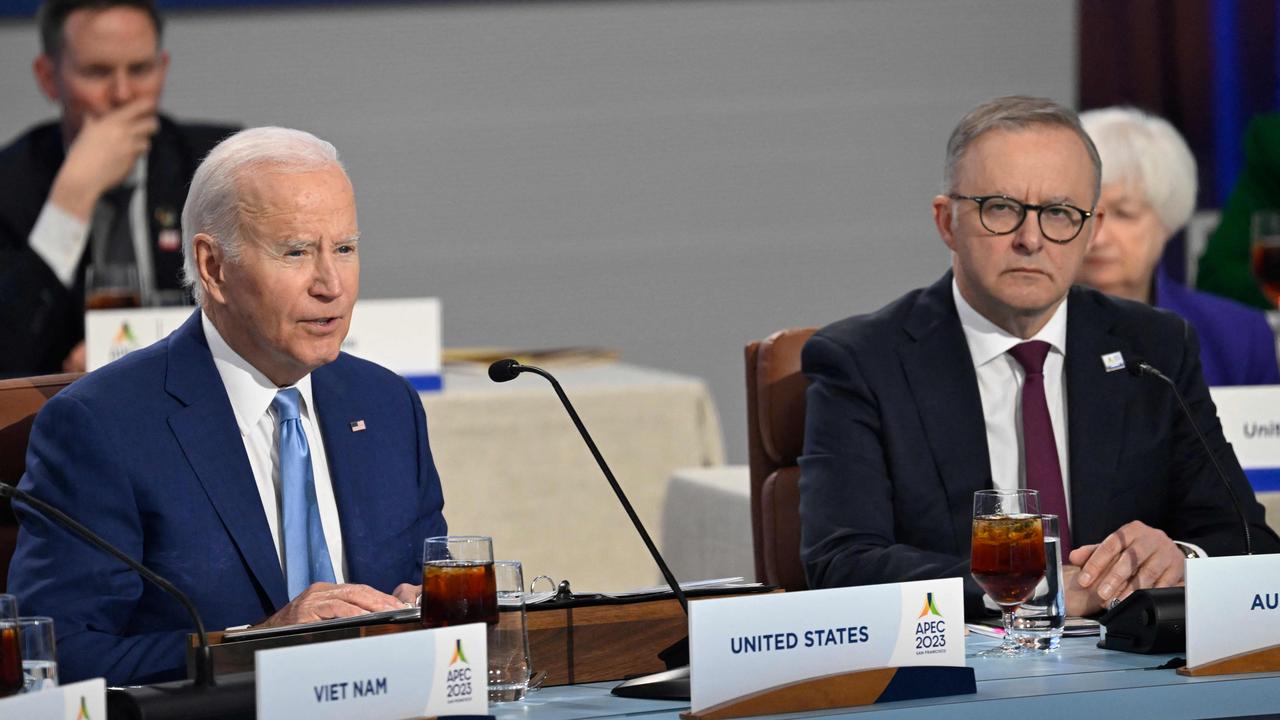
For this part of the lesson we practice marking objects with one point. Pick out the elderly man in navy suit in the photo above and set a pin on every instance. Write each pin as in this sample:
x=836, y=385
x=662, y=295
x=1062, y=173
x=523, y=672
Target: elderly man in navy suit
x=271, y=477
x=1003, y=375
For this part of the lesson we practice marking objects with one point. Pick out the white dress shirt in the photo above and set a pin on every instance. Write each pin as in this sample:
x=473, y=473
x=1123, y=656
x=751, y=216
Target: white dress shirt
x=251, y=394
x=1000, y=380
x=60, y=238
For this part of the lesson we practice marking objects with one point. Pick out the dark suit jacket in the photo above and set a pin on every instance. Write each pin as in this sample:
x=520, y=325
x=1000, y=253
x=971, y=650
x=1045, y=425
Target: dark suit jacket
x=41, y=320
x=895, y=444
x=146, y=451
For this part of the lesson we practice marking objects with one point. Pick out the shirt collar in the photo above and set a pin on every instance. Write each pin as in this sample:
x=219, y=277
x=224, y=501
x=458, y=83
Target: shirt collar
x=988, y=341
x=248, y=389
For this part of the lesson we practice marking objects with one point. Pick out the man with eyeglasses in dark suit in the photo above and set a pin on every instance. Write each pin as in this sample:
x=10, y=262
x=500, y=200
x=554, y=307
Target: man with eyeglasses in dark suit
x=1003, y=375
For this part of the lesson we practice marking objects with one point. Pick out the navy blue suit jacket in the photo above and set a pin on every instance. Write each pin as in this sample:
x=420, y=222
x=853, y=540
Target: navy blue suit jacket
x=146, y=451
x=1237, y=346
x=895, y=444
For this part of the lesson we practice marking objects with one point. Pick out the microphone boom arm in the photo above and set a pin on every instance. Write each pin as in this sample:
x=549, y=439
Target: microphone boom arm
x=204, y=661
x=613, y=482
x=1146, y=368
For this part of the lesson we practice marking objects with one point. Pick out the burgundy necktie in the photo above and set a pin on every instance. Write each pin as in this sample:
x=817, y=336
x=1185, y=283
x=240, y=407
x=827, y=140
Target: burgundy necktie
x=1040, y=451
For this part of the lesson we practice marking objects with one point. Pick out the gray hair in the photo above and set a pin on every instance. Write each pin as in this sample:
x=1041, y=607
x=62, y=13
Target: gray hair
x=1146, y=153
x=1015, y=112
x=213, y=202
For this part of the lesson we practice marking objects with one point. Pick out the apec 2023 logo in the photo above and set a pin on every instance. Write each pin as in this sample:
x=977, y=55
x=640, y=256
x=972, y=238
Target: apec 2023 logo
x=931, y=629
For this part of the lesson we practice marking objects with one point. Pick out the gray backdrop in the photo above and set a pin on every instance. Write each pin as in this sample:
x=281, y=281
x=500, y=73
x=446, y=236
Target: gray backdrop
x=672, y=179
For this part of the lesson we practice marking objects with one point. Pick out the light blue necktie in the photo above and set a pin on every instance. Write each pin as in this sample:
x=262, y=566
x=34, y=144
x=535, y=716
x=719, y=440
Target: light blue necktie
x=306, y=554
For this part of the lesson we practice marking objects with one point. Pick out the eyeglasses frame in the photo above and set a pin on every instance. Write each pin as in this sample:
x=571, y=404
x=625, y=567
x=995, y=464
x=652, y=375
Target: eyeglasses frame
x=982, y=200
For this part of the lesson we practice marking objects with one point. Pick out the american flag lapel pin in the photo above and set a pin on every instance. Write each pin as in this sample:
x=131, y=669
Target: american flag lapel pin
x=357, y=426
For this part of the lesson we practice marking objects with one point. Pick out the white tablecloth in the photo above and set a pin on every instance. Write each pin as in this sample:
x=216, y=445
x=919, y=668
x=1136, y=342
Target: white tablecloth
x=513, y=466
x=706, y=523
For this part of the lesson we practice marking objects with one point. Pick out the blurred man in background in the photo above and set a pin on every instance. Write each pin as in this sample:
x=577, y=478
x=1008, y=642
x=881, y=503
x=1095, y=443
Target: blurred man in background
x=101, y=188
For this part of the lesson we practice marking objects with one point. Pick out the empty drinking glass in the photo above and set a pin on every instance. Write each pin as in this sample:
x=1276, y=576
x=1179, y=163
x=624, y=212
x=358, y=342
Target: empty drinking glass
x=509, y=669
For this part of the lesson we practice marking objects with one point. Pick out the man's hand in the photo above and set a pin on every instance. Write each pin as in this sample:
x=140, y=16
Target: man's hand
x=323, y=601
x=1081, y=601
x=1136, y=556
x=74, y=361
x=102, y=154
x=408, y=594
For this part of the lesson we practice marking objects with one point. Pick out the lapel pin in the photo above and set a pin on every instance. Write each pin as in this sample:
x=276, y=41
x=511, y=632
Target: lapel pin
x=1113, y=361
x=357, y=426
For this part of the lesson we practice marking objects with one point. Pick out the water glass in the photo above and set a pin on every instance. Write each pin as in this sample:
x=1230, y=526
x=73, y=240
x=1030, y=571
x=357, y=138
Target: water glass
x=1039, y=621
x=39, y=655
x=10, y=653
x=509, y=667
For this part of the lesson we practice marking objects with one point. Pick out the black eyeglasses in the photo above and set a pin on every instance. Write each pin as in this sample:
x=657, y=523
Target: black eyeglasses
x=1000, y=215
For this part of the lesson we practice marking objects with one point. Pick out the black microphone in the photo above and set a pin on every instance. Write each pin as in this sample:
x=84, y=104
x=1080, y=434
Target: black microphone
x=1138, y=368
x=672, y=684
x=203, y=697
x=504, y=370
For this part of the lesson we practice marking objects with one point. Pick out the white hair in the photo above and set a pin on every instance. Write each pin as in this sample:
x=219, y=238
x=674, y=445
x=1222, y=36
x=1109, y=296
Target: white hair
x=213, y=202
x=1146, y=153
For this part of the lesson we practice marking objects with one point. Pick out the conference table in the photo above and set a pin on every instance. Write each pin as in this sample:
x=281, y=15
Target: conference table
x=1079, y=681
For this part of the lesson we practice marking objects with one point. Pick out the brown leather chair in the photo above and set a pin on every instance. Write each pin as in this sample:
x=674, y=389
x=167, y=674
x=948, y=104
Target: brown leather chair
x=20, y=400
x=775, y=439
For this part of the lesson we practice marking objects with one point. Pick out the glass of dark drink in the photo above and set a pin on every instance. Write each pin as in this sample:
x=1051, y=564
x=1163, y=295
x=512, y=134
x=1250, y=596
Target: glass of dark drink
x=111, y=287
x=1266, y=253
x=1008, y=557
x=11, y=676
x=458, y=583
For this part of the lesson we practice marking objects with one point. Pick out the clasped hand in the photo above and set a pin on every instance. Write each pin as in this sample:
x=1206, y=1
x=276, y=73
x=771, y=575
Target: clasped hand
x=1137, y=556
x=323, y=601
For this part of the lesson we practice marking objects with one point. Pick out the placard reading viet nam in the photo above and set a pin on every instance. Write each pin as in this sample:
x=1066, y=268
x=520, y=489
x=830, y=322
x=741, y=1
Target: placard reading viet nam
x=1233, y=609
x=755, y=644
x=421, y=673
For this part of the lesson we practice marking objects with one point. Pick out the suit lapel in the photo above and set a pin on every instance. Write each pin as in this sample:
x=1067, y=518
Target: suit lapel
x=945, y=387
x=1095, y=423
x=168, y=173
x=207, y=432
x=346, y=452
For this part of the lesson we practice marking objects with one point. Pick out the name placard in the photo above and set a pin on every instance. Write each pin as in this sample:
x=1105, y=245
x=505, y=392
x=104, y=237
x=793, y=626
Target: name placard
x=1233, y=613
x=745, y=649
x=1250, y=418
x=85, y=699
x=423, y=673
x=402, y=335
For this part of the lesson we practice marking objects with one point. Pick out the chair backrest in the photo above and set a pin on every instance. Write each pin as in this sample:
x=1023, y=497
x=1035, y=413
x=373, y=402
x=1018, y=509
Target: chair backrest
x=20, y=400
x=775, y=439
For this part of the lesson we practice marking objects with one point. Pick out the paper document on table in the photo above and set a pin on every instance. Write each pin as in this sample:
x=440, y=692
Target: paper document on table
x=706, y=586
x=400, y=614
x=712, y=584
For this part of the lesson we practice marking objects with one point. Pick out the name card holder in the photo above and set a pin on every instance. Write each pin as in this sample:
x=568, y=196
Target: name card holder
x=1233, y=615
x=423, y=673
x=84, y=699
x=822, y=649
x=851, y=689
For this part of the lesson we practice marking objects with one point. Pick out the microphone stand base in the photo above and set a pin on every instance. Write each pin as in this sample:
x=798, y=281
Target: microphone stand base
x=666, y=685
x=233, y=697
